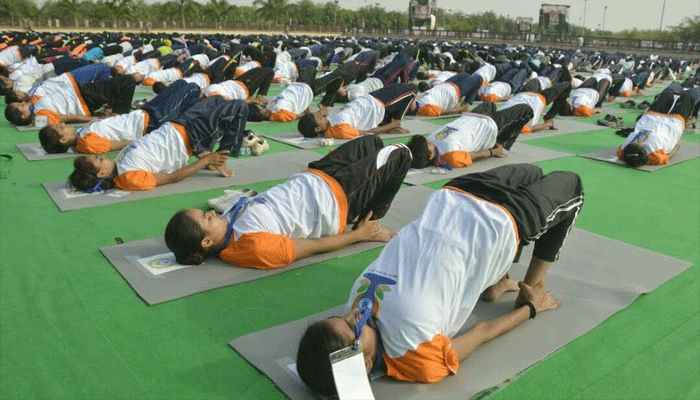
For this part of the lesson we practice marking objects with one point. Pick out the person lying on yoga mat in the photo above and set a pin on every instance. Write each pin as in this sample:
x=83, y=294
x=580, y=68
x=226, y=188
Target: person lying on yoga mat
x=161, y=156
x=657, y=133
x=483, y=133
x=305, y=215
x=115, y=133
x=378, y=112
x=405, y=309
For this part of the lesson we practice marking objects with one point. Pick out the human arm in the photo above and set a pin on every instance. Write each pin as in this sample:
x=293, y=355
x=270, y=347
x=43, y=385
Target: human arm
x=216, y=159
x=456, y=110
x=496, y=151
x=115, y=145
x=484, y=332
x=76, y=118
x=674, y=150
x=392, y=127
x=366, y=231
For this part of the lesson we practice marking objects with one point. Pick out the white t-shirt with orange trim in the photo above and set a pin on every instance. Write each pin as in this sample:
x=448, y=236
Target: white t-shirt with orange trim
x=535, y=100
x=243, y=68
x=202, y=58
x=441, y=263
x=161, y=151
x=162, y=75
x=658, y=134
x=308, y=205
x=584, y=101
x=111, y=60
x=495, y=91
x=602, y=74
x=488, y=72
x=545, y=82
x=363, y=114
x=199, y=79
x=291, y=102
x=438, y=98
x=10, y=55
x=144, y=67
x=95, y=137
x=59, y=96
x=367, y=86
x=230, y=90
x=468, y=133
x=286, y=70
x=626, y=88
x=126, y=62
x=441, y=77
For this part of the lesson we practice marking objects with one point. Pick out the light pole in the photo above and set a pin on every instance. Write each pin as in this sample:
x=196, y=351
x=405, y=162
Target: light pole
x=605, y=10
x=335, y=14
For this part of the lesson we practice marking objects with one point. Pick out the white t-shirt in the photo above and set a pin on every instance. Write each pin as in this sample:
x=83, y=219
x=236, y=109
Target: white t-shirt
x=657, y=133
x=468, y=133
x=295, y=98
x=443, y=96
x=545, y=82
x=202, y=58
x=230, y=90
x=488, y=72
x=129, y=126
x=431, y=276
x=585, y=97
x=441, y=77
x=161, y=151
x=143, y=67
x=60, y=96
x=535, y=100
x=369, y=85
x=243, y=68
x=286, y=70
x=163, y=75
x=363, y=114
x=500, y=90
x=10, y=55
x=199, y=79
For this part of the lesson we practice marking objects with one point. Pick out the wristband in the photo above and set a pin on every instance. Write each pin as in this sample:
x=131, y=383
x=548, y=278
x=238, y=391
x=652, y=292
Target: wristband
x=533, y=312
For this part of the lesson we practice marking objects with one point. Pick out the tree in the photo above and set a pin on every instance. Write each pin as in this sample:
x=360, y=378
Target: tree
x=272, y=10
x=689, y=29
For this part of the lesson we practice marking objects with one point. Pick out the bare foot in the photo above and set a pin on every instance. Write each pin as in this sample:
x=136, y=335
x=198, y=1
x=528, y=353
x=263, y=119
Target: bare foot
x=399, y=130
x=494, y=292
x=550, y=125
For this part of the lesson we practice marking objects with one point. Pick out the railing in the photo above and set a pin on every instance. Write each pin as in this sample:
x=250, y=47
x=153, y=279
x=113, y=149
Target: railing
x=627, y=45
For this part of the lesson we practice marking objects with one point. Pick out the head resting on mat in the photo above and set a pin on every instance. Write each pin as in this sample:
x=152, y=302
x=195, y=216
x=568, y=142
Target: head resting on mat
x=93, y=173
x=325, y=337
x=193, y=235
x=314, y=123
x=422, y=151
x=635, y=155
x=18, y=114
x=57, y=138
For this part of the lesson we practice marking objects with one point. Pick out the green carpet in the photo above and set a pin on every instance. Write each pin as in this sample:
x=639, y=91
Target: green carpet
x=72, y=328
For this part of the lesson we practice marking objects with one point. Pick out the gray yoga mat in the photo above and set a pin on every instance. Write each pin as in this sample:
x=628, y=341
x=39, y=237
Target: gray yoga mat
x=591, y=279
x=519, y=153
x=214, y=273
x=247, y=170
x=34, y=152
x=295, y=139
x=564, y=127
x=688, y=151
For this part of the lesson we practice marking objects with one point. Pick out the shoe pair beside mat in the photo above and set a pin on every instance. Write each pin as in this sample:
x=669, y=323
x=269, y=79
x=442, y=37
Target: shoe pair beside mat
x=221, y=203
x=628, y=104
x=611, y=121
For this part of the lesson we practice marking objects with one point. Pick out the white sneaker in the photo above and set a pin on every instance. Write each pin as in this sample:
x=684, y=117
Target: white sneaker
x=259, y=147
x=249, y=140
x=221, y=203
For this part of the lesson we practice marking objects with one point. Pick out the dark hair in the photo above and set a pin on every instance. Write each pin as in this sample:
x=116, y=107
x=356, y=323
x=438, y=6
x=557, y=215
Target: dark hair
x=423, y=86
x=421, y=75
x=84, y=177
x=634, y=155
x=14, y=115
x=420, y=151
x=158, y=87
x=4, y=71
x=12, y=97
x=50, y=141
x=5, y=90
x=183, y=236
x=313, y=364
x=254, y=113
x=307, y=126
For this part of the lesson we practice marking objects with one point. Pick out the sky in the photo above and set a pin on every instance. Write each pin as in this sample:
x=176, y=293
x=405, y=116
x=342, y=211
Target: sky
x=620, y=15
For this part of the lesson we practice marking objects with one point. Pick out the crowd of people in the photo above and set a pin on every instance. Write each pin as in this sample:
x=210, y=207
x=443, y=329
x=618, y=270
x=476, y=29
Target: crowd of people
x=207, y=87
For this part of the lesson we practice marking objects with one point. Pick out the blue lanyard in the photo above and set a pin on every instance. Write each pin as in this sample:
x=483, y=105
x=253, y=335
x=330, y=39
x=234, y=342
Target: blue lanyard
x=235, y=210
x=441, y=162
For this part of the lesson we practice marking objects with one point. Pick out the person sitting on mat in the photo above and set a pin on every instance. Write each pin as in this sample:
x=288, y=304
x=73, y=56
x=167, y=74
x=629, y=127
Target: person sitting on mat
x=115, y=133
x=378, y=112
x=405, y=309
x=657, y=133
x=161, y=156
x=480, y=134
x=305, y=215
